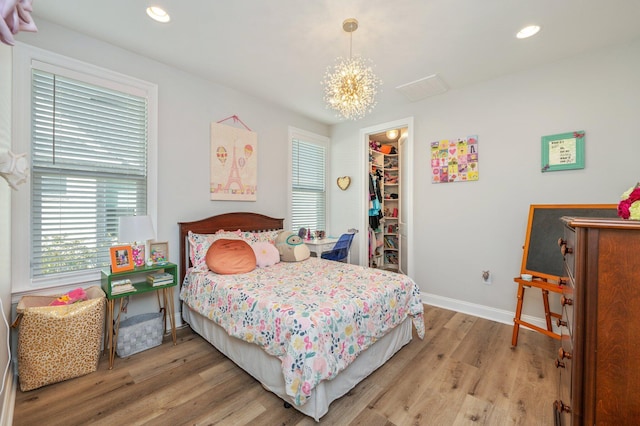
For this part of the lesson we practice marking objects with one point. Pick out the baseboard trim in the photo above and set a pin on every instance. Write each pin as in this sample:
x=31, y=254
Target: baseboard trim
x=9, y=402
x=481, y=311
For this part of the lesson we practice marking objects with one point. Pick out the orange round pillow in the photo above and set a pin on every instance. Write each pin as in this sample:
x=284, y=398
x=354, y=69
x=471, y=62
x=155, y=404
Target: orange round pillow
x=230, y=257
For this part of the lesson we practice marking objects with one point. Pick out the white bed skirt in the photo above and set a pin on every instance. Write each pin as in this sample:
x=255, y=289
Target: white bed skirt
x=266, y=368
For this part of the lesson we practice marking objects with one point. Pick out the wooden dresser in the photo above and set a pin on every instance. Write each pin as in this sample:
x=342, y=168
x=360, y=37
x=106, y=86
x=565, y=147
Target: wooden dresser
x=599, y=358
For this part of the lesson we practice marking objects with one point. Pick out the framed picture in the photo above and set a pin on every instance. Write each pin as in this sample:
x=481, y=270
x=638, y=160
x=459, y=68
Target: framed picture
x=234, y=163
x=563, y=152
x=121, y=259
x=159, y=252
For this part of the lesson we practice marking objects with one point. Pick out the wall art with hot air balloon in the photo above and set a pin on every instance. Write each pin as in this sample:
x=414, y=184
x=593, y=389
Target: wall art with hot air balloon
x=234, y=163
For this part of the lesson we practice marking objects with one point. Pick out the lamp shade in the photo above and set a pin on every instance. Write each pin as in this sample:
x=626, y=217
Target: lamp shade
x=135, y=228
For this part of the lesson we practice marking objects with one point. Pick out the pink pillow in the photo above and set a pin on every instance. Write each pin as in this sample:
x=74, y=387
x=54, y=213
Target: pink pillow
x=230, y=257
x=266, y=254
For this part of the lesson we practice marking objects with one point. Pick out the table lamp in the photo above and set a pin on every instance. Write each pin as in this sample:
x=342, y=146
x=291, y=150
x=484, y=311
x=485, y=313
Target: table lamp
x=136, y=230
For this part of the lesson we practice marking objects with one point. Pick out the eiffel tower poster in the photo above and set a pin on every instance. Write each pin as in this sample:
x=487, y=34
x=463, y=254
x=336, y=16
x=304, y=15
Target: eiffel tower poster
x=234, y=163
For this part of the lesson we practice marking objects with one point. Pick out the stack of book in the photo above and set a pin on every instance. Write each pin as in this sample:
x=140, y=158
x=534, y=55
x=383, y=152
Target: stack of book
x=160, y=278
x=122, y=286
x=389, y=242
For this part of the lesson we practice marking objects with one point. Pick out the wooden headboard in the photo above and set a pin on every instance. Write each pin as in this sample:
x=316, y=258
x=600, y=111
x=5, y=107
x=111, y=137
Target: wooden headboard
x=243, y=221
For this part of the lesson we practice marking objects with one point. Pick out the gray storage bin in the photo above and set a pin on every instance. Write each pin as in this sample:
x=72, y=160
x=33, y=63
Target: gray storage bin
x=139, y=333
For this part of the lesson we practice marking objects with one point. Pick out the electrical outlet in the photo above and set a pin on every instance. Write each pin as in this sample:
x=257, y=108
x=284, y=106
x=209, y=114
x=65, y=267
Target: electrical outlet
x=486, y=277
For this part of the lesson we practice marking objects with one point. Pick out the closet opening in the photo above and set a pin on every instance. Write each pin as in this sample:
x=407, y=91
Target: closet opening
x=387, y=213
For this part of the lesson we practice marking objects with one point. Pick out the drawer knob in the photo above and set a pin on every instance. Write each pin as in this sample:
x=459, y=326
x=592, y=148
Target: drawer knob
x=564, y=354
x=561, y=323
x=565, y=301
x=561, y=407
x=565, y=249
x=559, y=364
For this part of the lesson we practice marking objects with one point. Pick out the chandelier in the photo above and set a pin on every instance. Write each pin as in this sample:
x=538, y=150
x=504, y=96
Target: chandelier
x=350, y=86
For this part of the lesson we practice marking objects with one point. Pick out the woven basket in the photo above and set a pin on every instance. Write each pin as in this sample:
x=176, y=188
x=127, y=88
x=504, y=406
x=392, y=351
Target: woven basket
x=139, y=333
x=57, y=343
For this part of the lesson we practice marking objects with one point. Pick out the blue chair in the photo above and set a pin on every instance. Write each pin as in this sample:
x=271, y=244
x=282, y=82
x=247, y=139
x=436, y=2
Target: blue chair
x=340, y=250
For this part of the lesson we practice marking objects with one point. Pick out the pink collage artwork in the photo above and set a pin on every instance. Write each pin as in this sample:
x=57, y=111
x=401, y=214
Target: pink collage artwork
x=454, y=160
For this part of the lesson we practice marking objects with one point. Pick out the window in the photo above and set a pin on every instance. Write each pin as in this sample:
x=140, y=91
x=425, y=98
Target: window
x=89, y=143
x=89, y=166
x=308, y=181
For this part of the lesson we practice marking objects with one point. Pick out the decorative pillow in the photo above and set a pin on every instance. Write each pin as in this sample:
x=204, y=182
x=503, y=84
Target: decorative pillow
x=256, y=237
x=291, y=247
x=230, y=257
x=266, y=254
x=200, y=243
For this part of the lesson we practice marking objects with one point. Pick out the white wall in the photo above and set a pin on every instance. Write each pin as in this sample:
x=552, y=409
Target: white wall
x=5, y=219
x=187, y=106
x=461, y=229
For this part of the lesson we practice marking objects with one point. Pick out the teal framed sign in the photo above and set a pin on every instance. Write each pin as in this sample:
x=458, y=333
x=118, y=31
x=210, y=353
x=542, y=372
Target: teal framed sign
x=564, y=151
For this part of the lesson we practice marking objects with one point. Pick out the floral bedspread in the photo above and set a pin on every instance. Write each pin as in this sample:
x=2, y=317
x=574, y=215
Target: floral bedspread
x=316, y=315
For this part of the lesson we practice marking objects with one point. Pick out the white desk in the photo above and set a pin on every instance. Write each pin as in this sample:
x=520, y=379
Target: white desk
x=319, y=246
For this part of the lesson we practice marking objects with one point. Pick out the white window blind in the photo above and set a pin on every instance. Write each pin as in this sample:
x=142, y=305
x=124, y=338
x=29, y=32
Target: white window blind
x=308, y=191
x=89, y=166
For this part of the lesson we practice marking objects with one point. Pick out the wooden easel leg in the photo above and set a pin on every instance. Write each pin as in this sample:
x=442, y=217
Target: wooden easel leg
x=547, y=312
x=516, y=320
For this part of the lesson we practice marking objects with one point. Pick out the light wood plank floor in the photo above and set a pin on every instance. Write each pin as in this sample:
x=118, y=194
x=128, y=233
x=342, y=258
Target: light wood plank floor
x=464, y=372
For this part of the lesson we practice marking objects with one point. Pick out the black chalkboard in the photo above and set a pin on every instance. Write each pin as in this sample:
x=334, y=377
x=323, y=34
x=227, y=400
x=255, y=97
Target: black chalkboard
x=542, y=256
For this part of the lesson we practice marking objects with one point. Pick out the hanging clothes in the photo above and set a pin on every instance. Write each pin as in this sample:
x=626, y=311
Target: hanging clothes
x=375, y=199
x=372, y=242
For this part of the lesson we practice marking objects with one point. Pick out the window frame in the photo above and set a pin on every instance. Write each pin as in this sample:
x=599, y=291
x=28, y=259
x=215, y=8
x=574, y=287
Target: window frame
x=306, y=136
x=23, y=58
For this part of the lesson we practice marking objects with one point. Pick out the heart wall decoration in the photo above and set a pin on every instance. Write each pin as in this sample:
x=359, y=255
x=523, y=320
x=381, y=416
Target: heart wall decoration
x=344, y=182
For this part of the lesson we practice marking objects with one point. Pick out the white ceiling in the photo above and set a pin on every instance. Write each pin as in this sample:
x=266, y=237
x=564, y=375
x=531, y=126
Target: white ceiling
x=279, y=50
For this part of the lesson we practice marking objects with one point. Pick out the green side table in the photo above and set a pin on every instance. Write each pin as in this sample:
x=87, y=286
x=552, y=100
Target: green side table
x=138, y=279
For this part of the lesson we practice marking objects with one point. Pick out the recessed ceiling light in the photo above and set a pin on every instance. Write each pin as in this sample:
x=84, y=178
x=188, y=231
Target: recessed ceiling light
x=158, y=14
x=528, y=31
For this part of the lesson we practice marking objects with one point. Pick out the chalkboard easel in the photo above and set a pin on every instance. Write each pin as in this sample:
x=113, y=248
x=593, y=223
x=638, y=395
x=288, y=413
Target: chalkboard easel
x=541, y=257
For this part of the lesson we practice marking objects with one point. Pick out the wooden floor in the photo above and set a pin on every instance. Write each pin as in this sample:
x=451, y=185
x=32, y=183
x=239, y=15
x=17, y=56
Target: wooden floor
x=464, y=372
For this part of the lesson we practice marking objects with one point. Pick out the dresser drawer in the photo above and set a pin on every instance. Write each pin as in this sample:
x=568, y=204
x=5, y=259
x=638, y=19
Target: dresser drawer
x=563, y=364
x=566, y=300
x=567, y=248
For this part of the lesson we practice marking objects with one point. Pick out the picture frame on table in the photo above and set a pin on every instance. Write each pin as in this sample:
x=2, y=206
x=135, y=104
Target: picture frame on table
x=121, y=259
x=159, y=252
x=564, y=151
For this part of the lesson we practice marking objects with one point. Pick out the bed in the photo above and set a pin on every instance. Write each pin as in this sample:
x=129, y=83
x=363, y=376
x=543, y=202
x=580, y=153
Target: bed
x=308, y=331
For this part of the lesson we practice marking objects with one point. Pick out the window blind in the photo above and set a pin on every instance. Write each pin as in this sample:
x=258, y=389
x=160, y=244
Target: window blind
x=89, y=166
x=308, y=192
